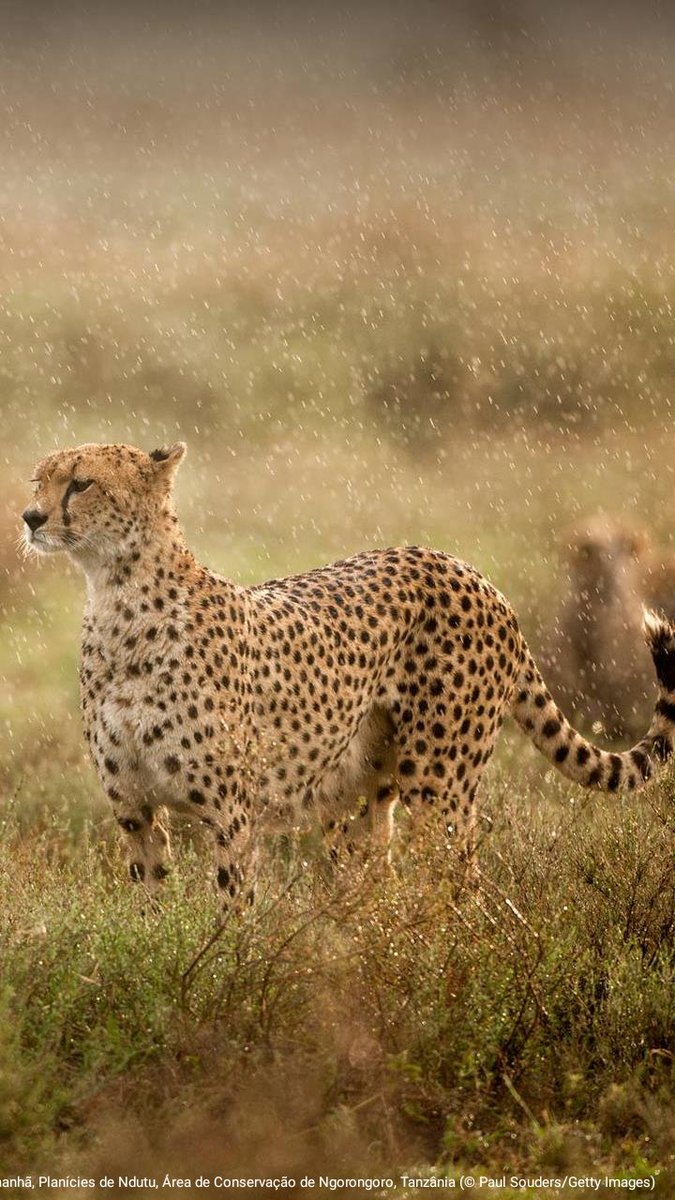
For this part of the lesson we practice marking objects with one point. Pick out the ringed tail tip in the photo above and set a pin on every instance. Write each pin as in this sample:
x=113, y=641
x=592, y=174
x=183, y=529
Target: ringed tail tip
x=660, y=638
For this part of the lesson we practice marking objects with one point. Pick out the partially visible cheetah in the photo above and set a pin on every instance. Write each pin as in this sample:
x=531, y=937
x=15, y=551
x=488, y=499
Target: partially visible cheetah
x=596, y=659
x=384, y=677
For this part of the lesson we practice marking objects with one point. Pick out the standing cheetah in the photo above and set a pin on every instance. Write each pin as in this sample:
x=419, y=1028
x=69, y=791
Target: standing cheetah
x=383, y=677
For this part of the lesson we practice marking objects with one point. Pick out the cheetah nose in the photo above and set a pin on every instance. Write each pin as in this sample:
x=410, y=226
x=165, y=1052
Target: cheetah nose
x=34, y=519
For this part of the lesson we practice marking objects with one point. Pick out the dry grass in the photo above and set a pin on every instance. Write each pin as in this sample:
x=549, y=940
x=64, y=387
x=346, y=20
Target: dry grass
x=362, y=1024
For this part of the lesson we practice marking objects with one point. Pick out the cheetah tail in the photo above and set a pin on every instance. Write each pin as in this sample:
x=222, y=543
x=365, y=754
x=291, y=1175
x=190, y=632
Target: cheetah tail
x=539, y=716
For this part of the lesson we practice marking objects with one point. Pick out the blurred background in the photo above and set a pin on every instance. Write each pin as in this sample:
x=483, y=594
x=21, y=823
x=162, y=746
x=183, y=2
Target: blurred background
x=396, y=274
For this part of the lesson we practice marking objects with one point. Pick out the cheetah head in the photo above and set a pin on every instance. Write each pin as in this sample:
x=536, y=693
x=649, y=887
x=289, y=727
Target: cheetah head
x=97, y=502
x=604, y=549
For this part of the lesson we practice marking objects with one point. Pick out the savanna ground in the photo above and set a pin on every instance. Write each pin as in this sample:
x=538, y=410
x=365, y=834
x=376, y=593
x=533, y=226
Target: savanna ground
x=403, y=286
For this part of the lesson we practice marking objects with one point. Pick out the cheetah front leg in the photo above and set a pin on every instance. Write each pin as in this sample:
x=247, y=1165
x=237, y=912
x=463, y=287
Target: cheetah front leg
x=236, y=868
x=147, y=843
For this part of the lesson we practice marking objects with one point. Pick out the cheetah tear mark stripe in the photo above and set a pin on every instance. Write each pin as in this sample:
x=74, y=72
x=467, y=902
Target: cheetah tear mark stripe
x=65, y=515
x=71, y=488
x=578, y=759
x=74, y=487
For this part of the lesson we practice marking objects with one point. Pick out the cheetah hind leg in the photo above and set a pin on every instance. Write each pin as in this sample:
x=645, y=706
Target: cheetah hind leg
x=359, y=799
x=451, y=815
x=363, y=829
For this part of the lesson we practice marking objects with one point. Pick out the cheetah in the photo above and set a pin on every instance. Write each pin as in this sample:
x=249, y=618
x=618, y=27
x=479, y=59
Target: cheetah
x=596, y=659
x=382, y=678
x=595, y=656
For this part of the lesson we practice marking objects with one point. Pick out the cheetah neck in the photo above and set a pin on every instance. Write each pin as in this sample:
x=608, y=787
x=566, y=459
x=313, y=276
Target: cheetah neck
x=154, y=556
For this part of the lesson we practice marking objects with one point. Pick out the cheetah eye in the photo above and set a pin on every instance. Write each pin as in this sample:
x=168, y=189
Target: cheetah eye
x=37, y=484
x=80, y=485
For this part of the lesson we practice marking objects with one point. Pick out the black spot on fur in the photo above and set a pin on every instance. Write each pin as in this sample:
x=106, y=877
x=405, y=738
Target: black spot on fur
x=129, y=824
x=666, y=708
x=663, y=653
x=551, y=728
x=615, y=776
x=642, y=763
x=663, y=748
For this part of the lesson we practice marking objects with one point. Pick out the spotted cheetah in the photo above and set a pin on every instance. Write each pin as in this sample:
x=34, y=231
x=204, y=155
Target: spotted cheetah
x=384, y=677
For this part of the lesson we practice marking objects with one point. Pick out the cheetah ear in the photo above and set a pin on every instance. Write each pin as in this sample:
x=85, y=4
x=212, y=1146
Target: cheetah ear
x=173, y=454
x=167, y=459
